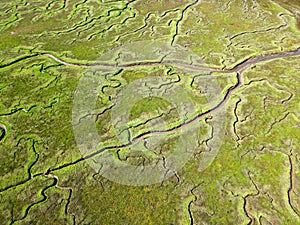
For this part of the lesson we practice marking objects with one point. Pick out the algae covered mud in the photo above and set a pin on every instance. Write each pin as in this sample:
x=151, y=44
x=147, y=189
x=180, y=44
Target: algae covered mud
x=206, y=91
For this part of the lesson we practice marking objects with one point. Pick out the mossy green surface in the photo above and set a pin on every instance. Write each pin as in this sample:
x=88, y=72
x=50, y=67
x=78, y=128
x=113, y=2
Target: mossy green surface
x=255, y=177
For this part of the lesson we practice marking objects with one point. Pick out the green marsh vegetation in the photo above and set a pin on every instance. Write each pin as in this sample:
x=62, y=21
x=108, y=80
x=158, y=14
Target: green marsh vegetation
x=255, y=177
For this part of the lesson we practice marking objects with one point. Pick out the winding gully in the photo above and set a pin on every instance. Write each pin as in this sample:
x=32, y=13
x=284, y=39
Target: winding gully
x=3, y=132
x=239, y=69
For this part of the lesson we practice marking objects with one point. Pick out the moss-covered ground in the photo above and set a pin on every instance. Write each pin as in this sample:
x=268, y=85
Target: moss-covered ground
x=46, y=47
